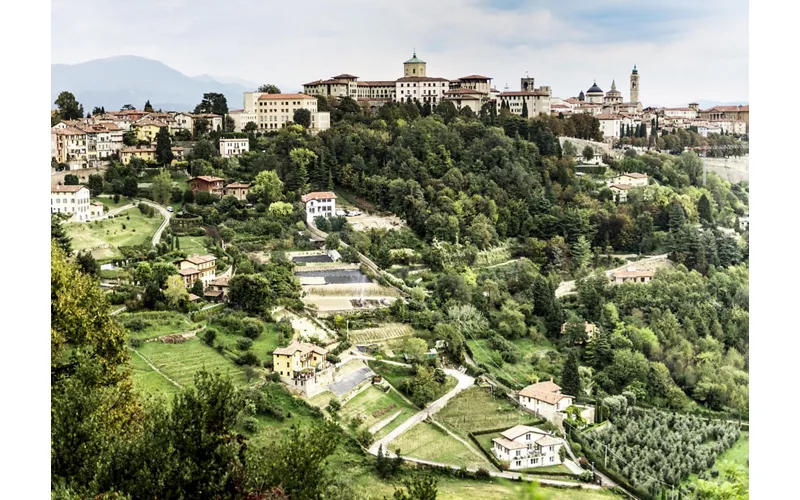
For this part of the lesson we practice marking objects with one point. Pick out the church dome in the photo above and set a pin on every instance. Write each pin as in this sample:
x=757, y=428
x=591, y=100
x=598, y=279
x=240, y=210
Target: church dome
x=594, y=89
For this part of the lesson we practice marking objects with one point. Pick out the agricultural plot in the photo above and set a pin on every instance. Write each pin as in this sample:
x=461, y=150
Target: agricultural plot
x=492, y=256
x=382, y=333
x=262, y=347
x=428, y=442
x=522, y=370
x=738, y=454
x=147, y=381
x=373, y=405
x=180, y=362
x=103, y=238
x=476, y=410
x=153, y=324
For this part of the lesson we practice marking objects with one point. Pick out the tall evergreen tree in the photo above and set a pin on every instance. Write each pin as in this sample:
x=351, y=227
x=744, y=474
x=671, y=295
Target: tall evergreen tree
x=704, y=209
x=570, y=378
x=524, y=109
x=148, y=107
x=164, y=154
x=58, y=233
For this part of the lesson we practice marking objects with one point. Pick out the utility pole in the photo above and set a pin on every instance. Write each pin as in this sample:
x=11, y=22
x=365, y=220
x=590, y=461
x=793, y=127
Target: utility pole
x=347, y=322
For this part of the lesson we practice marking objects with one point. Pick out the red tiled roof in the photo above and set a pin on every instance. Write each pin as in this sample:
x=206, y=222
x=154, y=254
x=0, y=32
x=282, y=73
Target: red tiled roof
x=345, y=75
x=318, y=195
x=207, y=178
x=623, y=187
x=464, y=91
x=475, y=77
x=267, y=97
x=237, y=185
x=377, y=83
x=635, y=175
x=66, y=189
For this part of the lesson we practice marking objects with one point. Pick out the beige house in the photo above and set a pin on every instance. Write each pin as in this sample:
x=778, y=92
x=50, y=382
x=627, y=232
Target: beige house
x=241, y=118
x=545, y=399
x=72, y=200
x=632, y=275
x=238, y=190
x=273, y=111
x=633, y=179
x=524, y=447
x=214, y=121
x=217, y=290
x=462, y=97
x=620, y=192
x=233, y=146
x=303, y=367
x=68, y=145
x=198, y=267
x=319, y=203
x=537, y=101
x=344, y=85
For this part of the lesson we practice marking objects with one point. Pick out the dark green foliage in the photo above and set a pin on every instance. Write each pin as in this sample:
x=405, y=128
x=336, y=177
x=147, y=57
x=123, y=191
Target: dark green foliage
x=570, y=379
x=59, y=234
x=87, y=264
x=164, y=154
x=68, y=107
x=213, y=102
x=302, y=117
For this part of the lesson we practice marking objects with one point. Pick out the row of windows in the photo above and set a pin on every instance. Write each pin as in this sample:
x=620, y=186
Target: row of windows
x=424, y=84
x=79, y=200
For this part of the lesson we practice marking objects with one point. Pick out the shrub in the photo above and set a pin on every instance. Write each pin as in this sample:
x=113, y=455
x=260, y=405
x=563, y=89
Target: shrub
x=586, y=477
x=250, y=424
x=135, y=343
x=220, y=348
x=482, y=473
x=334, y=406
x=248, y=358
x=209, y=336
x=244, y=344
x=252, y=330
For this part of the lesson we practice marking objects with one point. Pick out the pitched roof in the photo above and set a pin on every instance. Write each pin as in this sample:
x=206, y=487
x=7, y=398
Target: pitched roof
x=345, y=75
x=521, y=93
x=189, y=271
x=377, y=83
x=207, y=178
x=547, y=385
x=267, y=97
x=634, y=273
x=607, y=116
x=520, y=430
x=237, y=185
x=68, y=130
x=547, y=441
x=475, y=77
x=634, y=175
x=66, y=189
x=509, y=445
x=139, y=149
x=302, y=347
x=200, y=259
x=222, y=281
x=318, y=195
x=464, y=91
x=331, y=81
x=623, y=187
x=544, y=391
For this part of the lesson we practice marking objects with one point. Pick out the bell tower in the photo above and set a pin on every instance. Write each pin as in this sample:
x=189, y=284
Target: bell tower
x=635, y=85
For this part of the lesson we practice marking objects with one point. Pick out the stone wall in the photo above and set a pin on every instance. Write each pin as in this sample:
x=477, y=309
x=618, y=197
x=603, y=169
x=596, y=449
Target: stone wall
x=733, y=169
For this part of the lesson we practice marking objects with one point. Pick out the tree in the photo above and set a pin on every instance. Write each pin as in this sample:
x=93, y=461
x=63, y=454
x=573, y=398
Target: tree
x=68, y=107
x=588, y=153
x=250, y=292
x=95, y=184
x=161, y=187
x=419, y=487
x=176, y=293
x=148, y=107
x=71, y=180
x=570, y=149
x=581, y=252
x=570, y=376
x=164, y=155
x=250, y=127
x=267, y=187
x=415, y=349
x=300, y=159
x=269, y=89
x=302, y=117
x=525, y=109
x=704, y=209
x=87, y=264
x=127, y=107
x=59, y=234
x=130, y=187
x=213, y=102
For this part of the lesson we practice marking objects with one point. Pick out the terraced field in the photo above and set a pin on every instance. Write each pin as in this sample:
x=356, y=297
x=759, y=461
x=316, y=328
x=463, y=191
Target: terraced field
x=382, y=333
x=147, y=381
x=428, y=442
x=374, y=405
x=475, y=410
x=180, y=362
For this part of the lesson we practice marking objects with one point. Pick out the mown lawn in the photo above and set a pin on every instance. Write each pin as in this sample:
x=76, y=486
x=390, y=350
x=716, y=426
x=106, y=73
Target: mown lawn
x=373, y=400
x=181, y=362
x=96, y=235
x=428, y=442
x=193, y=244
x=475, y=410
x=109, y=202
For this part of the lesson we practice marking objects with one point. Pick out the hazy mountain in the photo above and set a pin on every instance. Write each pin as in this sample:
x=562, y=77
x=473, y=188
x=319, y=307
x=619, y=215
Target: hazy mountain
x=120, y=80
x=227, y=79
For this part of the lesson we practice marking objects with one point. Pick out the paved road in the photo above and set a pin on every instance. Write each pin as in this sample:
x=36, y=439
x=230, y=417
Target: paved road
x=350, y=381
x=464, y=381
x=121, y=309
x=511, y=475
x=568, y=287
x=114, y=212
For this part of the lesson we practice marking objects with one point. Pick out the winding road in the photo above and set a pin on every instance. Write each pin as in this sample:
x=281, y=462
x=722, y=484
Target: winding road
x=163, y=211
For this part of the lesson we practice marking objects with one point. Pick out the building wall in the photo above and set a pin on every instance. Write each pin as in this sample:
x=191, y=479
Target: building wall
x=315, y=208
x=273, y=114
x=422, y=91
x=233, y=147
x=76, y=204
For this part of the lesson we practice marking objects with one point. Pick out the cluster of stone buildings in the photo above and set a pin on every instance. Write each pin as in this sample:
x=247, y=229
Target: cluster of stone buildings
x=270, y=112
x=88, y=142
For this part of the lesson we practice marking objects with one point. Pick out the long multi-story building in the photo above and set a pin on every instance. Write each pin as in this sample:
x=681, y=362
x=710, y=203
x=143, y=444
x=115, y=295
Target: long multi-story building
x=74, y=200
x=273, y=111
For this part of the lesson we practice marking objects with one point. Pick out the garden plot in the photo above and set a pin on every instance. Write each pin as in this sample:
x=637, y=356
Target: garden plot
x=382, y=333
x=476, y=410
x=304, y=327
x=365, y=222
x=373, y=406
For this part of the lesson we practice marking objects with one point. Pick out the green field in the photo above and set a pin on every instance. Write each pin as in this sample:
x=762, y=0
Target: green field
x=396, y=375
x=156, y=324
x=519, y=371
x=475, y=410
x=265, y=343
x=180, y=362
x=373, y=400
x=147, y=381
x=96, y=235
x=428, y=442
x=739, y=454
x=193, y=244
x=109, y=202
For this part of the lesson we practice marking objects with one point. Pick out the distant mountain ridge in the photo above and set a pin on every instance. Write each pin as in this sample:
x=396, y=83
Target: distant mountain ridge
x=115, y=81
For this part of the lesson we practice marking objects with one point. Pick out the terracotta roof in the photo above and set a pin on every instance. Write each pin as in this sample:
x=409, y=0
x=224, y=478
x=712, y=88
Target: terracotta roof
x=635, y=273
x=519, y=430
x=464, y=91
x=606, y=116
x=377, y=83
x=559, y=106
x=726, y=109
x=69, y=131
x=266, y=97
x=422, y=79
x=66, y=189
x=634, y=175
x=324, y=82
x=623, y=187
x=237, y=185
x=319, y=195
x=193, y=297
x=188, y=271
x=223, y=281
x=207, y=178
x=236, y=111
x=521, y=93
x=205, y=115
x=212, y=293
x=200, y=259
x=302, y=347
x=547, y=385
x=147, y=121
x=544, y=391
x=509, y=445
x=678, y=109
x=475, y=77
x=345, y=75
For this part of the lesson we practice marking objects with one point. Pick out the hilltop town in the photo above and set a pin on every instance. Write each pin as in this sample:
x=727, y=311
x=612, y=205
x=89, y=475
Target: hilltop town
x=415, y=285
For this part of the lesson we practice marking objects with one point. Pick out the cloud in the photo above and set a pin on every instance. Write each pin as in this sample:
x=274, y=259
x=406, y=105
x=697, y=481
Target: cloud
x=685, y=50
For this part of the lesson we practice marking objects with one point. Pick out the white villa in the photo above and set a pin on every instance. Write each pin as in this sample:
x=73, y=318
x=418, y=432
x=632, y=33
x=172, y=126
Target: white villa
x=545, y=399
x=319, y=203
x=234, y=146
x=524, y=447
x=633, y=179
x=74, y=200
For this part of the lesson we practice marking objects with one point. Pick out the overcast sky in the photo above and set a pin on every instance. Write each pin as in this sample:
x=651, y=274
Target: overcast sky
x=685, y=50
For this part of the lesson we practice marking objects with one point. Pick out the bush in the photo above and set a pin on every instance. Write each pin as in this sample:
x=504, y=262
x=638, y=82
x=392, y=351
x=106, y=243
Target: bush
x=248, y=358
x=136, y=343
x=250, y=424
x=334, y=406
x=209, y=336
x=244, y=344
x=586, y=477
x=252, y=330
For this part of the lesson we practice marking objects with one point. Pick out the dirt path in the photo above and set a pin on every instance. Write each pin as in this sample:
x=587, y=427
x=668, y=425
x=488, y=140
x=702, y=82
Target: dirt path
x=151, y=365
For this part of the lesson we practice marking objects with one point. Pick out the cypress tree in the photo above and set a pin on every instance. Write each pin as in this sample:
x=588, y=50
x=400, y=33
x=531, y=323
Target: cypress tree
x=704, y=209
x=58, y=233
x=164, y=154
x=570, y=378
x=524, y=109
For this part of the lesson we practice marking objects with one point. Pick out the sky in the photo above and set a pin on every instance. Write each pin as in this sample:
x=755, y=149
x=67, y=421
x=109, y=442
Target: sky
x=685, y=50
